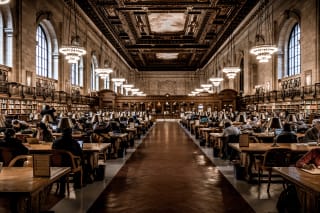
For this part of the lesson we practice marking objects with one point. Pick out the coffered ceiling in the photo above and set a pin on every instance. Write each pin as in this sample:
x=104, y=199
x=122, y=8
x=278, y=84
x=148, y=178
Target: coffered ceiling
x=167, y=35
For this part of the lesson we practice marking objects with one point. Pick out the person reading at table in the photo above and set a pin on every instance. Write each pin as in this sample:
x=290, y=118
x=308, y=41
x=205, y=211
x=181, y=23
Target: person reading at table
x=14, y=144
x=66, y=142
x=230, y=135
x=287, y=135
x=43, y=132
x=310, y=160
x=19, y=125
x=313, y=133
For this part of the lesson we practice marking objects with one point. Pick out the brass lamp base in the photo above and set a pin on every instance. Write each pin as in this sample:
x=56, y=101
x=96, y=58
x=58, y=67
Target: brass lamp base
x=275, y=145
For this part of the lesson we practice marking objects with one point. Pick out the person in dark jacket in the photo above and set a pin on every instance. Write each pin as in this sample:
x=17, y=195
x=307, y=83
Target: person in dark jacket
x=14, y=144
x=66, y=142
x=287, y=135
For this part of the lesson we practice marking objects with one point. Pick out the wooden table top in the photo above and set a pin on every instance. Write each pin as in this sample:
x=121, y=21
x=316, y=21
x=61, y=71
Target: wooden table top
x=21, y=180
x=216, y=134
x=271, y=134
x=300, y=177
x=58, y=134
x=117, y=135
x=263, y=147
x=87, y=147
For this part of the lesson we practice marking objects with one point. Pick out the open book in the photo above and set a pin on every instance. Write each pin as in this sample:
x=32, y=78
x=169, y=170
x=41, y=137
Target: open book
x=312, y=171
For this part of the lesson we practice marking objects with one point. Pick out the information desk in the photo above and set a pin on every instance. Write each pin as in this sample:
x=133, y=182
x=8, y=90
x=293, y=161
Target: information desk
x=307, y=186
x=25, y=192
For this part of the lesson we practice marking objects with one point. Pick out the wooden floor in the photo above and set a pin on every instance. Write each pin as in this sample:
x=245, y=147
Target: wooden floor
x=168, y=173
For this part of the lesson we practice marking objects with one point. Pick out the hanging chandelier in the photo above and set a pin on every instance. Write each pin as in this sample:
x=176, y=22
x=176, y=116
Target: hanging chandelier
x=264, y=48
x=216, y=81
x=118, y=81
x=231, y=72
x=4, y=2
x=74, y=51
x=206, y=86
x=103, y=71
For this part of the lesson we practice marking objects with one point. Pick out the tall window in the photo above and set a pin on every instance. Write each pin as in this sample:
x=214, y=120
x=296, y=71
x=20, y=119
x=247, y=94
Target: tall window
x=94, y=78
x=42, y=53
x=77, y=73
x=294, y=53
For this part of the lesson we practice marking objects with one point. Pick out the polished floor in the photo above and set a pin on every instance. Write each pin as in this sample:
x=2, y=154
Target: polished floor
x=169, y=172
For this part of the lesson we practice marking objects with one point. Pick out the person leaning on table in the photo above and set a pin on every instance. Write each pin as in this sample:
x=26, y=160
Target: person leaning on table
x=14, y=144
x=310, y=160
x=313, y=133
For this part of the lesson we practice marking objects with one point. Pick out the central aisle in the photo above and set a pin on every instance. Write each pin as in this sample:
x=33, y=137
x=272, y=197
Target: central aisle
x=168, y=173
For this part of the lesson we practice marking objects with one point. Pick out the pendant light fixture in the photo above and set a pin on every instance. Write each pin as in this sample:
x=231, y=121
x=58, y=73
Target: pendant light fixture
x=264, y=48
x=72, y=51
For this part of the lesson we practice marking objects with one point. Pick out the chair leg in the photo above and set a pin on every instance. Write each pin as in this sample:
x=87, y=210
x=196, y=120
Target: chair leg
x=67, y=183
x=269, y=180
x=260, y=172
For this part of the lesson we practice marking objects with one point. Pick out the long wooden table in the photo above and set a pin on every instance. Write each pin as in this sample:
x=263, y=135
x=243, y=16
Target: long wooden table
x=260, y=148
x=90, y=150
x=24, y=192
x=307, y=186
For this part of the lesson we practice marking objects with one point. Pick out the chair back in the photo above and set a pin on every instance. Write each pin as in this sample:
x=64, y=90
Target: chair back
x=6, y=155
x=244, y=140
x=277, y=157
x=63, y=158
x=22, y=160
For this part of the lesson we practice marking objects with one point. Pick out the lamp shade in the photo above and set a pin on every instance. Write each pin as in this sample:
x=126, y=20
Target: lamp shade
x=65, y=123
x=291, y=118
x=241, y=118
x=275, y=123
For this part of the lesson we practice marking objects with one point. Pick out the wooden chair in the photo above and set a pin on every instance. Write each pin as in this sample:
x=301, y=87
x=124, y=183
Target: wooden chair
x=63, y=158
x=6, y=155
x=27, y=161
x=275, y=157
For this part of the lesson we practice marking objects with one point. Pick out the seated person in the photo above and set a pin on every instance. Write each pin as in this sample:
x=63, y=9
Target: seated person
x=310, y=160
x=19, y=125
x=230, y=135
x=44, y=133
x=66, y=142
x=287, y=135
x=13, y=143
x=77, y=125
x=312, y=134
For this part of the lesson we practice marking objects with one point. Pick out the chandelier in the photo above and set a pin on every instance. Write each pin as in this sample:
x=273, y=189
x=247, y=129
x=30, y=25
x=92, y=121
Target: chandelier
x=206, y=86
x=264, y=48
x=231, y=71
x=4, y=2
x=103, y=71
x=118, y=81
x=216, y=81
x=74, y=51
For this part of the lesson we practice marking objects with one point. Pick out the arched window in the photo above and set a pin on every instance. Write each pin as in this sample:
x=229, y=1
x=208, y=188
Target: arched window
x=6, y=36
x=47, y=55
x=77, y=73
x=294, y=53
x=42, y=53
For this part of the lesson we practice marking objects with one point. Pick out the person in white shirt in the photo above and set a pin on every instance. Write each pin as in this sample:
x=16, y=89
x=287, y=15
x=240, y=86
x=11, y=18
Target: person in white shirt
x=230, y=135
